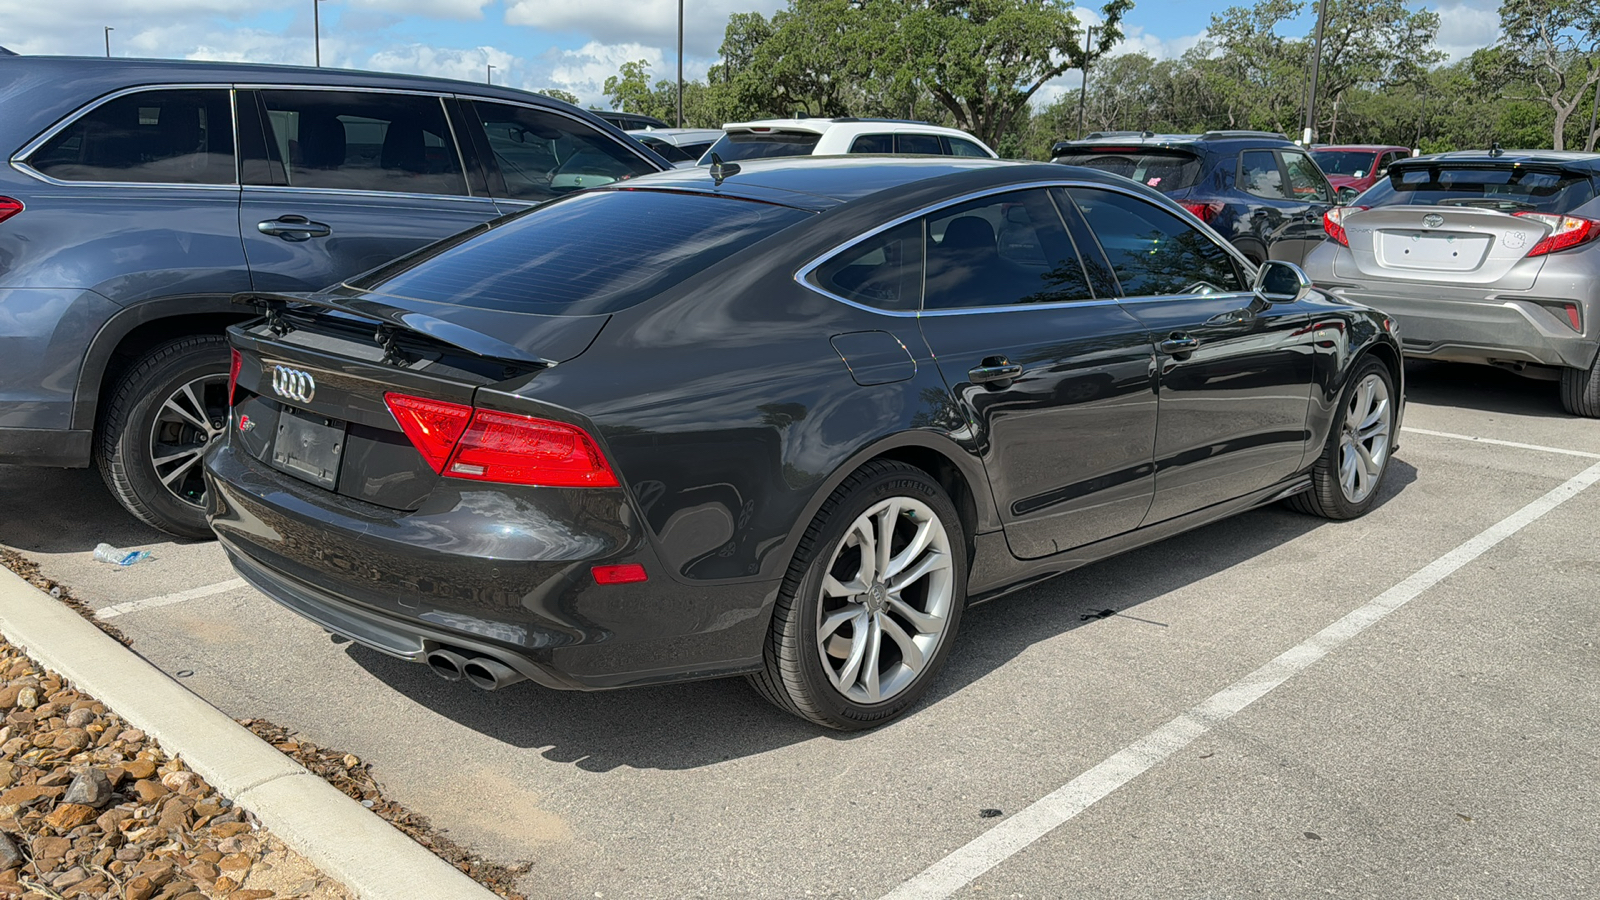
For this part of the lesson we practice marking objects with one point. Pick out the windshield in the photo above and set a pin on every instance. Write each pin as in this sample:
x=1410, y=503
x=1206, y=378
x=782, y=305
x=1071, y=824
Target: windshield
x=763, y=145
x=1164, y=170
x=1353, y=163
x=1512, y=188
x=586, y=255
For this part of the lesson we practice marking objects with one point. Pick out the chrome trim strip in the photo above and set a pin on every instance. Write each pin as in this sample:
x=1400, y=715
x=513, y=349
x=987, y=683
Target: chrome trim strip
x=290, y=189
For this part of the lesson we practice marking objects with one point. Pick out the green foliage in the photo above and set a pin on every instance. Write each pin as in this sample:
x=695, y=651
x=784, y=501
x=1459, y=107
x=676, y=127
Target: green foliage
x=563, y=96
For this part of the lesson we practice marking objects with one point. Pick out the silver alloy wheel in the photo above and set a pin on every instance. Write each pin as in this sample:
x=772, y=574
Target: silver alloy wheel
x=890, y=577
x=1364, y=438
x=185, y=425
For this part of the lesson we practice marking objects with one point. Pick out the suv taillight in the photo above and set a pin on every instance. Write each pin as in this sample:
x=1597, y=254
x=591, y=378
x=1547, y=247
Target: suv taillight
x=1565, y=232
x=489, y=445
x=9, y=208
x=1205, y=212
x=1333, y=222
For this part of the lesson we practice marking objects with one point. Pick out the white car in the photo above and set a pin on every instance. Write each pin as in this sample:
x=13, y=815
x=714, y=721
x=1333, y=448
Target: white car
x=679, y=146
x=833, y=137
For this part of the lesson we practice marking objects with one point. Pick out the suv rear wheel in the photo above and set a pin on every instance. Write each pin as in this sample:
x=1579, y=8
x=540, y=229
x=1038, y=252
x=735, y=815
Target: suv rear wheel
x=1580, y=390
x=160, y=418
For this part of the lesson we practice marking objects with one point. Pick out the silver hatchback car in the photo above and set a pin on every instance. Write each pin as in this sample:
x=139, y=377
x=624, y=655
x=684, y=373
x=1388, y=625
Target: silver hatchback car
x=1487, y=256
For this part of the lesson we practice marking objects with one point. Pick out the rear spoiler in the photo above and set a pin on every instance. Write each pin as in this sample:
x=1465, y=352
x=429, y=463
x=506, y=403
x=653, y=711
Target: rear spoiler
x=390, y=318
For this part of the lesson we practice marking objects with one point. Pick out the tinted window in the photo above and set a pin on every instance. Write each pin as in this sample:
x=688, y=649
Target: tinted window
x=542, y=155
x=1153, y=251
x=696, y=151
x=1165, y=171
x=764, y=145
x=1354, y=163
x=1305, y=180
x=589, y=254
x=1259, y=174
x=918, y=143
x=884, y=271
x=669, y=152
x=165, y=137
x=1508, y=189
x=873, y=143
x=358, y=141
x=1001, y=250
x=959, y=147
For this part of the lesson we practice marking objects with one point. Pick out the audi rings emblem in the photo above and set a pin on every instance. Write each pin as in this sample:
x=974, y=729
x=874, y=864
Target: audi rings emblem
x=293, y=384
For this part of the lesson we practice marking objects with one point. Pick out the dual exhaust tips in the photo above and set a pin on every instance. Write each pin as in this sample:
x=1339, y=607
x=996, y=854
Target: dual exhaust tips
x=486, y=673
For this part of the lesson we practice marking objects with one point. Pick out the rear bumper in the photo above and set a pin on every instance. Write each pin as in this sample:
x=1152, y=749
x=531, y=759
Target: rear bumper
x=492, y=573
x=1480, y=328
x=59, y=447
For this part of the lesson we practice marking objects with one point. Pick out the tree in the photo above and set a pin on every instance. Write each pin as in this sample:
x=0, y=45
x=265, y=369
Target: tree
x=1377, y=44
x=629, y=91
x=559, y=94
x=1552, y=54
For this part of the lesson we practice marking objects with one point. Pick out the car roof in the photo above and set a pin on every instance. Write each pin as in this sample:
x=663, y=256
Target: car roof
x=675, y=132
x=1570, y=159
x=1180, y=141
x=1373, y=147
x=823, y=125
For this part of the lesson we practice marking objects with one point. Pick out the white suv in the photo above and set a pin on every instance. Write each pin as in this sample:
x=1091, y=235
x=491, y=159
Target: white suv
x=832, y=137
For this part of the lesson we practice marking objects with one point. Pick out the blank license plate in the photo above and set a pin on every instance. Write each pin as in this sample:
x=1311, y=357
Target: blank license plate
x=1433, y=250
x=308, y=448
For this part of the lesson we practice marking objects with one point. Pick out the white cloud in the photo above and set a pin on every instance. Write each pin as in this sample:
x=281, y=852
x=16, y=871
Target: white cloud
x=1464, y=27
x=433, y=9
x=585, y=70
x=651, y=21
x=443, y=62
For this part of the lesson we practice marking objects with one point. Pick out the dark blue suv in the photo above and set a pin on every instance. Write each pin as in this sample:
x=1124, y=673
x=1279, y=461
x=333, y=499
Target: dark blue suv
x=141, y=195
x=1256, y=188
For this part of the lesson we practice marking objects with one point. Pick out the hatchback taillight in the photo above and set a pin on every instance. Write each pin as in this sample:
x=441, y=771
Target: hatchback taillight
x=1565, y=232
x=490, y=445
x=1333, y=222
x=9, y=208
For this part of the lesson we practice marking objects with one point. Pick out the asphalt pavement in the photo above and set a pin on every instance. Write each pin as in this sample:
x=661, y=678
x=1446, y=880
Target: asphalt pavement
x=1442, y=746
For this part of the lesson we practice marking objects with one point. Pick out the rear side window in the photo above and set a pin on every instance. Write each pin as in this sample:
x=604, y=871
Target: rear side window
x=1003, y=250
x=1153, y=252
x=1508, y=189
x=884, y=271
x=926, y=144
x=160, y=137
x=358, y=141
x=764, y=145
x=542, y=155
x=959, y=147
x=1259, y=174
x=668, y=152
x=590, y=254
x=873, y=143
x=1166, y=171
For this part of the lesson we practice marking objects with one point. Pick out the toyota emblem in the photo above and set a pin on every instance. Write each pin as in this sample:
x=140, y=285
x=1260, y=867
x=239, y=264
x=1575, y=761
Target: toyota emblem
x=293, y=384
x=1433, y=220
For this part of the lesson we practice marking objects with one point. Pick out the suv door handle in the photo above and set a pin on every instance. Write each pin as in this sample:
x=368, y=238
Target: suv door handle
x=995, y=369
x=293, y=228
x=1178, y=343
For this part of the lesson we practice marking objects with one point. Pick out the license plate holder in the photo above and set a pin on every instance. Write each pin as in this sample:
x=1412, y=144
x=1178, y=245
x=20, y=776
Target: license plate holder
x=308, y=447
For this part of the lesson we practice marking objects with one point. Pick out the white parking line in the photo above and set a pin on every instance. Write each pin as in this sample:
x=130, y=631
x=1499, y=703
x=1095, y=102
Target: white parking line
x=1498, y=443
x=1041, y=817
x=111, y=612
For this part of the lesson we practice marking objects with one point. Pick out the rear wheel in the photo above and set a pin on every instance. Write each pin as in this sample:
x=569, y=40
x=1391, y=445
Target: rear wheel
x=1346, y=478
x=1580, y=390
x=160, y=418
x=870, y=606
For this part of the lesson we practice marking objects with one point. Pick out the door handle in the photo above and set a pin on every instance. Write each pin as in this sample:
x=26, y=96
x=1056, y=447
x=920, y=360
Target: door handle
x=993, y=370
x=1178, y=344
x=293, y=228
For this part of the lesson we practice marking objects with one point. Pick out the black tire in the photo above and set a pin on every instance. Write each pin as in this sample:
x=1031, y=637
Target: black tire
x=132, y=413
x=794, y=678
x=1327, y=497
x=1580, y=390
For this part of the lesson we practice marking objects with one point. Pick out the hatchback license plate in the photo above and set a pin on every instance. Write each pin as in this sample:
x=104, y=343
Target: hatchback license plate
x=308, y=448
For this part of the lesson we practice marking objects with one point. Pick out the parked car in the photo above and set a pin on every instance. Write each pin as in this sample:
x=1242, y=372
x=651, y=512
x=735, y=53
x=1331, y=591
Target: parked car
x=1352, y=168
x=679, y=146
x=792, y=436
x=770, y=138
x=142, y=194
x=627, y=120
x=1256, y=188
x=1483, y=256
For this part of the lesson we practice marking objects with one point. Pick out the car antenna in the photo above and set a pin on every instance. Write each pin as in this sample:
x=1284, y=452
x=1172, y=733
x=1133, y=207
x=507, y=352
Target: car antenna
x=721, y=171
x=1494, y=149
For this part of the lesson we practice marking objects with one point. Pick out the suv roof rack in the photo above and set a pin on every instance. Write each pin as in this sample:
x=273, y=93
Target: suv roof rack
x=872, y=119
x=1243, y=133
x=1102, y=135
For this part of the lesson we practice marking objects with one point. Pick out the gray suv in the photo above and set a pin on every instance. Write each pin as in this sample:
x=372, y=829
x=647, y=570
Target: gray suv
x=141, y=195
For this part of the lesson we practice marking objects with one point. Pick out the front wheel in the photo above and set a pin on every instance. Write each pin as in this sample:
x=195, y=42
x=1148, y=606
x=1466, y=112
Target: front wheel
x=1346, y=478
x=870, y=606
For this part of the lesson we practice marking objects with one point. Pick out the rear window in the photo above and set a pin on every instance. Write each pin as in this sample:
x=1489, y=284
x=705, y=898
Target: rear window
x=586, y=255
x=1165, y=170
x=1506, y=189
x=764, y=145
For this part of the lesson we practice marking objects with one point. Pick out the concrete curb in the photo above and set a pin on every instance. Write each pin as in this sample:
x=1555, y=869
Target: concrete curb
x=341, y=837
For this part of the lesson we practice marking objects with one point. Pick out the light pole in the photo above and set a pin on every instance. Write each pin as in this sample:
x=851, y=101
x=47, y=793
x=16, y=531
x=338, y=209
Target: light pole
x=316, y=29
x=1083, y=93
x=1590, y=143
x=680, y=64
x=488, y=73
x=110, y=29
x=1316, y=66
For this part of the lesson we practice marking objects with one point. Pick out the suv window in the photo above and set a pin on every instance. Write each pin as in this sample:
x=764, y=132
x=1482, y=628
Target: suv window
x=999, y=251
x=1305, y=179
x=668, y=151
x=358, y=141
x=927, y=144
x=161, y=137
x=1259, y=174
x=959, y=147
x=873, y=143
x=542, y=155
x=764, y=145
x=1164, y=170
x=884, y=271
x=1153, y=252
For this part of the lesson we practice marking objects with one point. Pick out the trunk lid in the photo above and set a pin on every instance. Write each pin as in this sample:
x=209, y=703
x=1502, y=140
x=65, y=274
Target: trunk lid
x=1446, y=244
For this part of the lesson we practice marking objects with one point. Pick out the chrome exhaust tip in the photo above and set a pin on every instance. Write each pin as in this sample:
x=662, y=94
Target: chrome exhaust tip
x=447, y=664
x=490, y=674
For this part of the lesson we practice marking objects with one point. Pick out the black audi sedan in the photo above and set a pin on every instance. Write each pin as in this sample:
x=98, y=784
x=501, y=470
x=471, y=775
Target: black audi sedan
x=785, y=420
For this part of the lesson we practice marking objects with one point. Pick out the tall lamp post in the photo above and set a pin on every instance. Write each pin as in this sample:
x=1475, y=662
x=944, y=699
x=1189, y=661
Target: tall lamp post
x=109, y=29
x=488, y=73
x=680, y=63
x=1083, y=93
x=1316, y=66
x=316, y=29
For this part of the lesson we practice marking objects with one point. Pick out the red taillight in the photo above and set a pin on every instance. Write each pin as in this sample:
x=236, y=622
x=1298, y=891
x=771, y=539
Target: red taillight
x=432, y=425
x=1205, y=211
x=234, y=365
x=9, y=208
x=1565, y=232
x=627, y=573
x=488, y=445
x=1333, y=222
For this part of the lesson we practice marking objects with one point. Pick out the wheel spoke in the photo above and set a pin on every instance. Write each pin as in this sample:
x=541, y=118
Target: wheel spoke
x=923, y=622
x=183, y=467
x=172, y=404
x=851, y=669
x=904, y=558
x=833, y=587
x=887, y=520
x=1368, y=463
x=1378, y=415
x=931, y=561
x=869, y=662
x=869, y=550
x=910, y=653
x=1347, y=470
x=835, y=619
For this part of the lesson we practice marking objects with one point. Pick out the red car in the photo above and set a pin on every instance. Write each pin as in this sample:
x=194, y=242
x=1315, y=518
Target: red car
x=1357, y=166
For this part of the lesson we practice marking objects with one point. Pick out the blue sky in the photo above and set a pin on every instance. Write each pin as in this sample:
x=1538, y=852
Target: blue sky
x=569, y=44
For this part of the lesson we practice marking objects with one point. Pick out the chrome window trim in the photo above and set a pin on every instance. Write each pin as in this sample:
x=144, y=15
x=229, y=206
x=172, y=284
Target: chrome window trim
x=345, y=192
x=19, y=159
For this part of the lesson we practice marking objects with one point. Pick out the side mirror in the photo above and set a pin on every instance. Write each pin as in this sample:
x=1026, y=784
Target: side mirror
x=1281, y=282
x=1346, y=195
